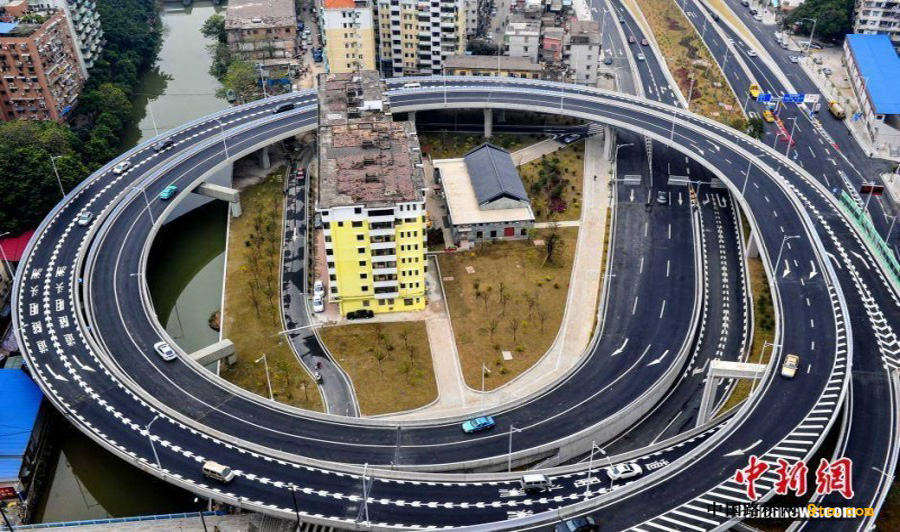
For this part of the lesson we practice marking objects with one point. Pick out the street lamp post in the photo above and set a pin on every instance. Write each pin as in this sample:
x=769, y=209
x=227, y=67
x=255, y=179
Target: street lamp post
x=366, y=493
x=781, y=249
x=790, y=138
x=587, y=483
x=512, y=428
x=747, y=176
x=618, y=146
x=56, y=172
x=886, y=239
x=224, y=142
x=152, y=445
x=811, y=34
x=293, y=488
x=202, y=519
x=268, y=380
x=483, y=371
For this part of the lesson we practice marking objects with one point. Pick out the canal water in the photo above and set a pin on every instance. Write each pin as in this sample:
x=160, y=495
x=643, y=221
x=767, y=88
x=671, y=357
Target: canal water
x=185, y=278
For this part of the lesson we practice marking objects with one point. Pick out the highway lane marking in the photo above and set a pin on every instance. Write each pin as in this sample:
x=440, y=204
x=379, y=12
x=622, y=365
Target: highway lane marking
x=646, y=225
x=739, y=452
x=668, y=263
x=660, y=359
x=634, y=307
x=670, y=231
x=620, y=349
x=658, y=436
x=641, y=268
x=663, y=309
x=812, y=152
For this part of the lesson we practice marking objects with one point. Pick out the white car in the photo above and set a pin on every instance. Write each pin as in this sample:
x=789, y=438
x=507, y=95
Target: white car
x=318, y=289
x=85, y=218
x=751, y=53
x=757, y=17
x=790, y=365
x=318, y=304
x=640, y=56
x=121, y=167
x=165, y=351
x=794, y=58
x=624, y=471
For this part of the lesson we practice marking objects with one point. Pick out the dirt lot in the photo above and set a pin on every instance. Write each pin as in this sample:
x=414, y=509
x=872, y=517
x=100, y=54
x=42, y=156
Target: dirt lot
x=511, y=301
x=252, y=302
x=389, y=363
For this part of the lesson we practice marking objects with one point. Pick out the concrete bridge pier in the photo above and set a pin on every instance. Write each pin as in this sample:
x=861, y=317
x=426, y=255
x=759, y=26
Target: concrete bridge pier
x=263, y=158
x=411, y=117
x=217, y=351
x=719, y=370
x=488, y=123
x=609, y=143
x=752, y=246
x=220, y=192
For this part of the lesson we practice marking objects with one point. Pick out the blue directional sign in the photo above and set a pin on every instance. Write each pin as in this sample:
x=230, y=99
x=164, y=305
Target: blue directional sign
x=793, y=98
x=857, y=116
x=764, y=97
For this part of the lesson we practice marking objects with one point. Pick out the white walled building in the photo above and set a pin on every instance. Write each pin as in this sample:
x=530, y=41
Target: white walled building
x=878, y=17
x=414, y=37
x=523, y=39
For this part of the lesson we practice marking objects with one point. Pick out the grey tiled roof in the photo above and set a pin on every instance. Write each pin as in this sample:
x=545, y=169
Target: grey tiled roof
x=493, y=174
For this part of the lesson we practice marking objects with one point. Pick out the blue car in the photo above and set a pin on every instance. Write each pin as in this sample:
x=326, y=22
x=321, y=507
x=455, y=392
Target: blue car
x=478, y=424
x=168, y=192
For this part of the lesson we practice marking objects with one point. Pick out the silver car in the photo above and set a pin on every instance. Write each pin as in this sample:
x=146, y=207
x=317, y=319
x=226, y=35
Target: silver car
x=85, y=218
x=165, y=351
x=122, y=167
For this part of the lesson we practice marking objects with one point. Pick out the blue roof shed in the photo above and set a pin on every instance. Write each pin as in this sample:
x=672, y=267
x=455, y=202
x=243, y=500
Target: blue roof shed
x=20, y=400
x=878, y=62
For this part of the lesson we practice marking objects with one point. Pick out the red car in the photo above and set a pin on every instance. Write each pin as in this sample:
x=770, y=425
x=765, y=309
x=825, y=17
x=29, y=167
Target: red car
x=631, y=39
x=644, y=42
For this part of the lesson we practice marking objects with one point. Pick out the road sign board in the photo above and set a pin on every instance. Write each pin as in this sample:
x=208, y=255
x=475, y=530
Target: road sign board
x=793, y=98
x=811, y=98
x=868, y=188
x=764, y=97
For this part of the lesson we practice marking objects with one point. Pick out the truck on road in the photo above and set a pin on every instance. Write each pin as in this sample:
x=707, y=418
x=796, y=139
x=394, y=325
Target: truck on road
x=836, y=110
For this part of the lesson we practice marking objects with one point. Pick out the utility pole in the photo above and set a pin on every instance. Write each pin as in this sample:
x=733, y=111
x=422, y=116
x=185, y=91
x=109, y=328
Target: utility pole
x=268, y=379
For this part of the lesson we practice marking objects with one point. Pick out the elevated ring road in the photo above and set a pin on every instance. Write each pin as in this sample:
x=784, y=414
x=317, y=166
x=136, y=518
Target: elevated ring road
x=80, y=379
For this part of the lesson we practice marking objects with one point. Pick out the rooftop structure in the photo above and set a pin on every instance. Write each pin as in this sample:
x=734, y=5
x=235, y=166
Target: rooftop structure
x=21, y=401
x=365, y=158
x=491, y=65
x=259, y=14
x=485, y=195
x=263, y=31
x=879, y=65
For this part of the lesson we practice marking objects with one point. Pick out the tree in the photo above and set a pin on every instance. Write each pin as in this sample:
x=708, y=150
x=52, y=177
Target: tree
x=241, y=78
x=514, y=328
x=28, y=189
x=214, y=28
x=552, y=244
x=482, y=47
x=834, y=18
x=756, y=128
x=542, y=315
x=492, y=327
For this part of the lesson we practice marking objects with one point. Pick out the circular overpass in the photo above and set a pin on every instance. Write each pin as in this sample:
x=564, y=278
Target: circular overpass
x=86, y=325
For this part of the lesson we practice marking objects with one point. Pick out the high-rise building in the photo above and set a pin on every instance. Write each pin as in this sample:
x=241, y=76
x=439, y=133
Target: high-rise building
x=414, y=36
x=881, y=17
x=84, y=24
x=262, y=31
x=370, y=198
x=348, y=28
x=40, y=77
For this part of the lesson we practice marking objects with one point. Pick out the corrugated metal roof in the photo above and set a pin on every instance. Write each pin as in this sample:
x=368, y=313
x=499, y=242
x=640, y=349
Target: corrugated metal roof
x=494, y=174
x=877, y=60
x=20, y=399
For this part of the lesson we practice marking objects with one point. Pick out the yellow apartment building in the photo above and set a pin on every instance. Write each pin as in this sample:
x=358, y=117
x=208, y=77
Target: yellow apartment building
x=370, y=198
x=348, y=28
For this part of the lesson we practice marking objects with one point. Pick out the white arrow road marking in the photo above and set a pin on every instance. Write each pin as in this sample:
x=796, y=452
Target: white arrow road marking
x=835, y=261
x=787, y=269
x=55, y=376
x=82, y=366
x=861, y=259
x=660, y=359
x=679, y=198
x=619, y=350
x=813, y=273
x=739, y=452
x=632, y=194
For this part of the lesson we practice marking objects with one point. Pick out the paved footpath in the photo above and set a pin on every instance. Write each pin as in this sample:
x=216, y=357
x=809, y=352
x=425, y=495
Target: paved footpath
x=575, y=332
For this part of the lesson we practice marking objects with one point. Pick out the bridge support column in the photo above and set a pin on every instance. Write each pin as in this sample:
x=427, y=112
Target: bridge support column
x=411, y=116
x=219, y=192
x=719, y=370
x=263, y=158
x=752, y=246
x=217, y=351
x=488, y=123
x=609, y=143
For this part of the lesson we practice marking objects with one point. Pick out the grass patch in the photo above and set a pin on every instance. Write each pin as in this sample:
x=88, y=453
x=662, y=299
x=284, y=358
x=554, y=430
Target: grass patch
x=390, y=364
x=252, y=301
x=513, y=302
x=455, y=145
x=889, y=518
x=554, y=183
x=763, y=330
x=686, y=56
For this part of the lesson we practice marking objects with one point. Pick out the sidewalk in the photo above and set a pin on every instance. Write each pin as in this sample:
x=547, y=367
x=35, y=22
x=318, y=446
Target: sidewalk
x=536, y=151
x=575, y=331
x=837, y=87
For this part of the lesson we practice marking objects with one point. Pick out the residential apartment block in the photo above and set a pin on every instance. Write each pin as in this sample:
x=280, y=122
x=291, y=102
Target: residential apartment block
x=262, y=31
x=414, y=36
x=41, y=77
x=523, y=39
x=581, y=50
x=878, y=18
x=491, y=65
x=370, y=198
x=348, y=27
x=84, y=24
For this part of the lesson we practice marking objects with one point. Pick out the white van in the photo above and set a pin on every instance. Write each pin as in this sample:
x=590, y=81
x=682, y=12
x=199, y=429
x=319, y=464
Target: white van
x=218, y=472
x=535, y=482
x=412, y=85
